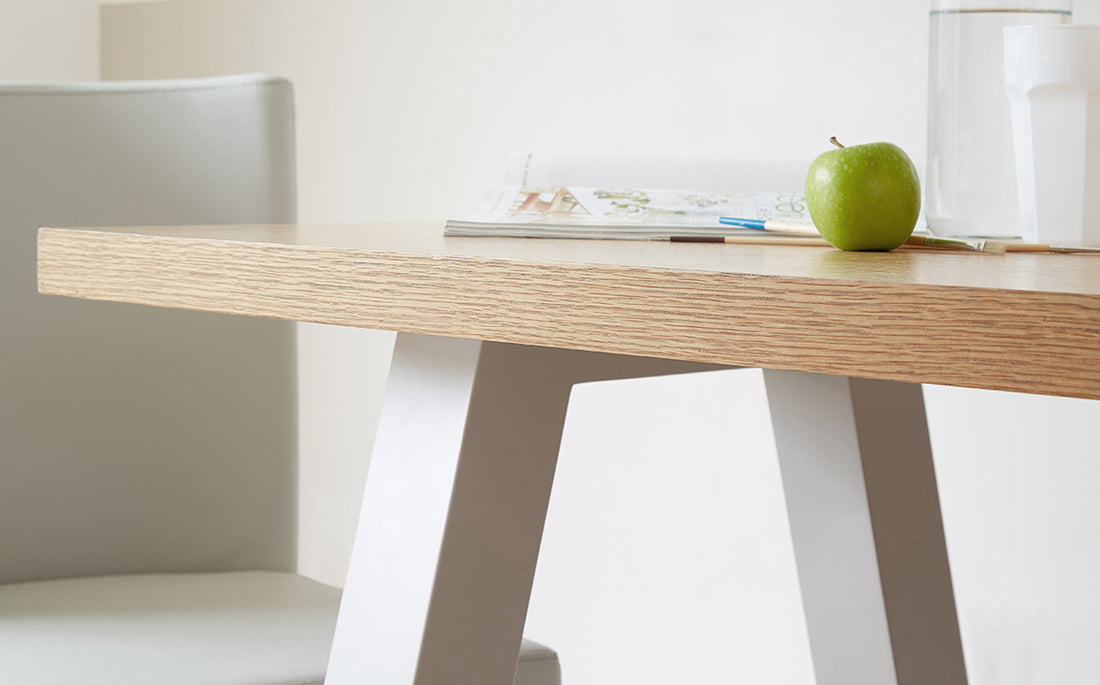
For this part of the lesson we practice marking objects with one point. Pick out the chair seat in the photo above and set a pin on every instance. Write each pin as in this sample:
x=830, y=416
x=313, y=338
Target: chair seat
x=243, y=628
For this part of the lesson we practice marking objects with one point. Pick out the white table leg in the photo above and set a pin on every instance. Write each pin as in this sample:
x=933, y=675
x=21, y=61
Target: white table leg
x=868, y=535
x=454, y=507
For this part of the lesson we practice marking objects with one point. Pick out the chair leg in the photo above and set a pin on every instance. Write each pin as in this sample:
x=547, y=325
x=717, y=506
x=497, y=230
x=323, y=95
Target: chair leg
x=454, y=507
x=861, y=493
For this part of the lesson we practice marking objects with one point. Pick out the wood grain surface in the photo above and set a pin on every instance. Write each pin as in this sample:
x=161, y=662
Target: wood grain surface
x=1018, y=322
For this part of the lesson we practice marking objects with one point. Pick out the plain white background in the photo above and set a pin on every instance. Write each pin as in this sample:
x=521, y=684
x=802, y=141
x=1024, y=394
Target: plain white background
x=666, y=544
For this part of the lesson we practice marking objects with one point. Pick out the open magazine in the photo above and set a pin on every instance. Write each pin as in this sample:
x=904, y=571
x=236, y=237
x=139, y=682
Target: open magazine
x=561, y=196
x=621, y=213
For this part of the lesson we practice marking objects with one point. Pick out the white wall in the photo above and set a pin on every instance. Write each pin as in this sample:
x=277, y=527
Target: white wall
x=666, y=530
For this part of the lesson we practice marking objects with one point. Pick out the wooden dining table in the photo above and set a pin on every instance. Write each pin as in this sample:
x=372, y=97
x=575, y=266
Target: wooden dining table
x=494, y=332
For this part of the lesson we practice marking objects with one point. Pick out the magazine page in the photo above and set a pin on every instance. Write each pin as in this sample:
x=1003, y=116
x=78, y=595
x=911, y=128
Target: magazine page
x=617, y=212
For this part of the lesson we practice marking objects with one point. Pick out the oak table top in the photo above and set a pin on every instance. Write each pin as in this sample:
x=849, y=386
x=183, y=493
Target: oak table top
x=1019, y=322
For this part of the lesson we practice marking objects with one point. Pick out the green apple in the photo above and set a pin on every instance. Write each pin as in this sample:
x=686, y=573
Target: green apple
x=863, y=197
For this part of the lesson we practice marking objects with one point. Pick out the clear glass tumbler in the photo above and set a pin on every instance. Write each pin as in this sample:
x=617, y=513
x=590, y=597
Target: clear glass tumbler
x=970, y=179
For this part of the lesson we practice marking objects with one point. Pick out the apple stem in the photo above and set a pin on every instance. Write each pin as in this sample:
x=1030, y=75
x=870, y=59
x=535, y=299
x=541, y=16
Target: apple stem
x=834, y=141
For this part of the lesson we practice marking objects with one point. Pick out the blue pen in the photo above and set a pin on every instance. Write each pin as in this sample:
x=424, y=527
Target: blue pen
x=773, y=225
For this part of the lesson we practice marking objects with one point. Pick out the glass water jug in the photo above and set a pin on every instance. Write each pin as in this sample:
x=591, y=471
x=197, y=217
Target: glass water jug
x=970, y=177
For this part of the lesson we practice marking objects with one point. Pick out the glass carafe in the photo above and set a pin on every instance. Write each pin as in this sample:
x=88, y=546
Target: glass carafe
x=970, y=178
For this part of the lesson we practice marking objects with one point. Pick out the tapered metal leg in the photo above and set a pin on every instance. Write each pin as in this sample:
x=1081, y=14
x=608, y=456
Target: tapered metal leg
x=454, y=507
x=861, y=493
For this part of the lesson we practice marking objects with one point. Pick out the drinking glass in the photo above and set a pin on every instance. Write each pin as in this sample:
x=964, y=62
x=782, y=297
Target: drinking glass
x=1052, y=75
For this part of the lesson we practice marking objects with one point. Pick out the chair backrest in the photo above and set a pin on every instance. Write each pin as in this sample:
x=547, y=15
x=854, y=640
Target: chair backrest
x=134, y=439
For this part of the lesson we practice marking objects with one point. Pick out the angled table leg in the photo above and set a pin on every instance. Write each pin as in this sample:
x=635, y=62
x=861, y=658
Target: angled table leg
x=454, y=506
x=861, y=493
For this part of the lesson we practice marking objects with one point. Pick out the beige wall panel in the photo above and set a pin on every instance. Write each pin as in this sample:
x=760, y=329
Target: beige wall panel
x=48, y=40
x=341, y=371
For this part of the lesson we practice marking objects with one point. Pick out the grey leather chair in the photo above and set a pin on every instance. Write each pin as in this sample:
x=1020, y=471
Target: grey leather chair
x=148, y=457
